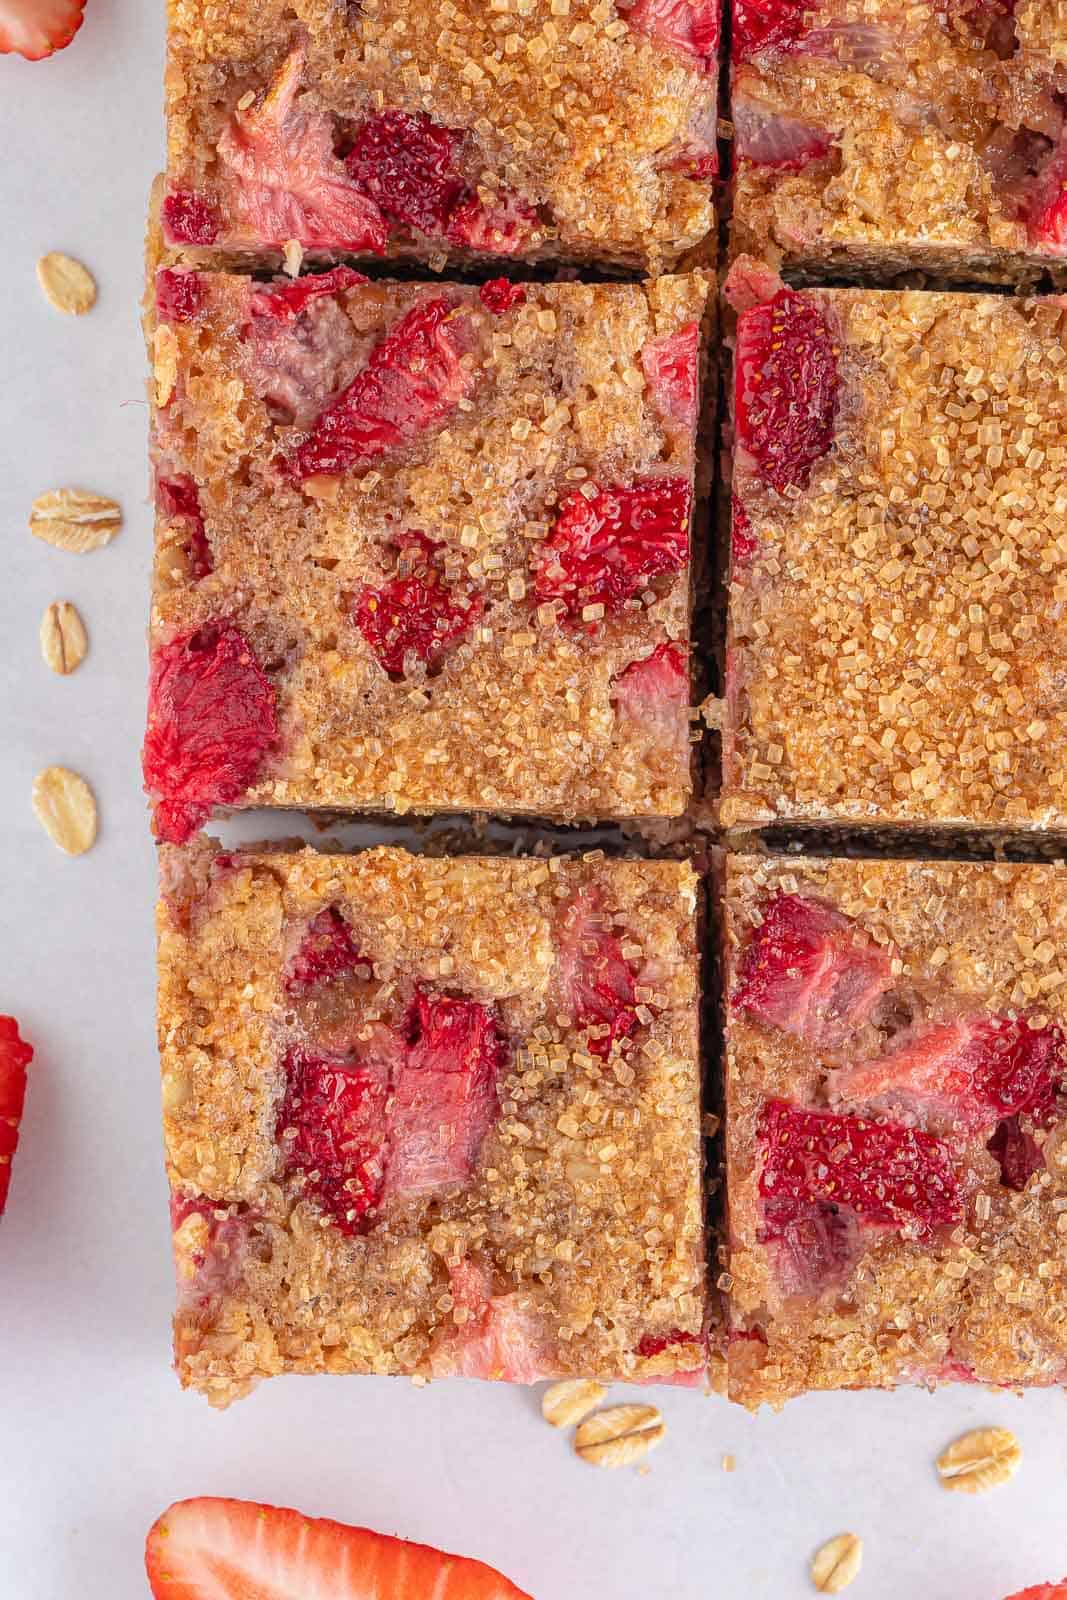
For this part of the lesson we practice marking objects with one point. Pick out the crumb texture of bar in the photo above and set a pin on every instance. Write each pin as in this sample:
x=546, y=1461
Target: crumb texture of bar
x=896, y=1167
x=431, y=1117
x=882, y=138
x=896, y=649
x=578, y=130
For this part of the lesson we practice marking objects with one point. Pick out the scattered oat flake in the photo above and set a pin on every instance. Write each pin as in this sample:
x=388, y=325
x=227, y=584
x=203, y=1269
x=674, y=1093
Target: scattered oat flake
x=729, y=1463
x=980, y=1460
x=64, y=640
x=67, y=285
x=75, y=520
x=836, y=1563
x=619, y=1435
x=564, y=1404
x=65, y=808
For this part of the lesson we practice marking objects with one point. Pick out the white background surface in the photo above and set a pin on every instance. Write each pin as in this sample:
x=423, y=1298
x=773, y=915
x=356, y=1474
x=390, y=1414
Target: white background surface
x=95, y=1435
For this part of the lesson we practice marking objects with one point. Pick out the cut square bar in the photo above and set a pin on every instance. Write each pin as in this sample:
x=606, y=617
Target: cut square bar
x=896, y=1166
x=431, y=1116
x=576, y=130
x=422, y=548
x=876, y=139
x=896, y=650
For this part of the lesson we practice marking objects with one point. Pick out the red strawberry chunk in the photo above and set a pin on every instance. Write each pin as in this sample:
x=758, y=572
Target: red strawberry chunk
x=670, y=368
x=211, y=1549
x=815, y=1243
x=284, y=301
x=211, y=721
x=653, y=693
x=327, y=951
x=597, y=982
x=416, y=615
x=38, y=28
x=887, y=1175
x=743, y=542
x=412, y=381
x=445, y=1095
x=179, y=295
x=784, y=144
x=688, y=26
x=285, y=180
x=1047, y=214
x=971, y=1071
x=766, y=25
x=15, y=1057
x=500, y=295
x=786, y=388
x=209, y=1255
x=179, y=499
x=502, y=229
x=811, y=971
x=190, y=218
x=405, y=164
x=606, y=549
x=1043, y=1591
x=497, y=1339
x=654, y=1344
x=1017, y=1152
x=333, y=1131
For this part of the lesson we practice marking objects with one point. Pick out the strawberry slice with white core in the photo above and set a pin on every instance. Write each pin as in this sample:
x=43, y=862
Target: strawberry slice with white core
x=653, y=695
x=597, y=982
x=15, y=1057
x=38, y=28
x=670, y=368
x=496, y=1340
x=211, y=1549
x=811, y=971
x=285, y=180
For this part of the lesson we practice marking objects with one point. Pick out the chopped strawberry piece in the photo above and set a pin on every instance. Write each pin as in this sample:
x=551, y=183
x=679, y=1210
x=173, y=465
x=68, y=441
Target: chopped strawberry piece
x=498, y=1339
x=179, y=500
x=654, y=1344
x=416, y=614
x=411, y=382
x=179, y=295
x=333, y=1131
x=405, y=164
x=211, y=720
x=286, y=181
x=654, y=694
x=190, y=218
x=887, y=1175
x=815, y=1243
x=784, y=144
x=210, y=1251
x=743, y=542
x=1043, y=1591
x=766, y=25
x=688, y=26
x=971, y=1071
x=15, y=1057
x=1017, y=1152
x=670, y=368
x=502, y=229
x=327, y=951
x=605, y=550
x=597, y=982
x=1047, y=215
x=811, y=971
x=786, y=388
x=283, y=302
x=211, y=1549
x=445, y=1094
x=696, y=161
x=500, y=295
x=38, y=28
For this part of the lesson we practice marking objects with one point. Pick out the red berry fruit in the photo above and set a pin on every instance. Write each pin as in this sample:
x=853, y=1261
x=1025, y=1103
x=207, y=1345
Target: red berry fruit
x=327, y=951
x=500, y=295
x=38, y=28
x=1017, y=1153
x=179, y=500
x=597, y=983
x=653, y=694
x=743, y=542
x=689, y=26
x=786, y=388
x=416, y=615
x=332, y=1128
x=284, y=301
x=766, y=25
x=179, y=295
x=782, y=144
x=404, y=163
x=15, y=1057
x=606, y=549
x=671, y=372
x=189, y=218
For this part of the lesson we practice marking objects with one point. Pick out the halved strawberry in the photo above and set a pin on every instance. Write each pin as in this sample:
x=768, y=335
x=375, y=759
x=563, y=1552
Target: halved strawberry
x=811, y=971
x=213, y=1549
x=670, y=368
x=38, y=28
x=596, y=981
x=498, y=1340
x=688, y=26
x=15, y=1057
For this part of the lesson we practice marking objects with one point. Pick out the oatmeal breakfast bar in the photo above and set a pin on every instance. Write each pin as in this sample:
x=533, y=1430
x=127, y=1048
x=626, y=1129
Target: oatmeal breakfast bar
x=555, y=130
x=432, y=1117
x=422, y=547
x=877, y=138
x=897, y=648
x=896, y=1165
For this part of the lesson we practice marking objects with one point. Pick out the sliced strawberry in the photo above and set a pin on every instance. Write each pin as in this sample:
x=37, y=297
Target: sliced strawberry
x=179, y=295
x=596, y=981
x=210, y=1549
x=38, y=28
x=284, y=301
x=969, y=1072
x=417, y=614
x=766, y=25
x=604, y=550
x=743, y=542
x=784, y=144
x=1043, y=1591
x=811, y=971
x=786, y=388
x=499, y=295
x=211, y=721
x=405, y=164
x=653, y=694
x=689, y=26
x=670, y=368
x=332, y=1128
x=327, y=951
x=498, y=1339
x=287, y=183
x=178, y=499
x=1017, y=1152
x=445, y=1095
x=15, y=1057
x=190, y=218
x=886, y=1175
x=411, y=382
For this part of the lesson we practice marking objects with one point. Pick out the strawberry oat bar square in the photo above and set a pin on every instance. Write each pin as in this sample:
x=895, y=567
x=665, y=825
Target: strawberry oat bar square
x=895, y=1119
x=576, y=130
x=422, y=547
x=877, y=138
x=896, y=650
x=432, y=1117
